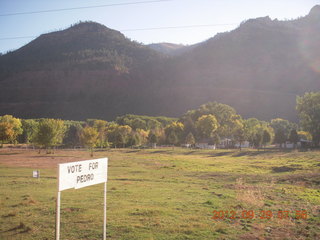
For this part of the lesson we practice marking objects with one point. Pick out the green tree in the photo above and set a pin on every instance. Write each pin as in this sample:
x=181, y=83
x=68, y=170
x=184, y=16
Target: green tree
x=72, y=136
x=189, y=125
x=280, y=137
x=144, y=122
x=224, y=114
x=206, y=126
x=215, y=139
x=174, y=132
x=172, y=138
x=250, y=126
x=90, y=122
x=294, y=137
x=16, y=126
x=89, y=138
x=123, y=135
x=29, y=127
x=138, y=123
x=257, y=139
x=257, y=132
x=50, y=133
x=152, y=138
x=282, y=130
x=153, y=124
x=118, y=135
x=138, y=137
x=135, y=139
x=190, y=139
x=308, y=107
x=266, y=137
x=239, y=132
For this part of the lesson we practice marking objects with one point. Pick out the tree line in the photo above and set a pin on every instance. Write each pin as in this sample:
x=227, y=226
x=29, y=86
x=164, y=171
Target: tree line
x=211, y=122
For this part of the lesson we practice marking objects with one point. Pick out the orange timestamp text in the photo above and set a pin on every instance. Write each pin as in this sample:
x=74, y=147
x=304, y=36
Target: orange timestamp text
x=260, y=214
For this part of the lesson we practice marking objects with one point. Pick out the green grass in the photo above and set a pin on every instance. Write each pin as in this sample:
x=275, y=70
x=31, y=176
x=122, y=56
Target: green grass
x=169, y=194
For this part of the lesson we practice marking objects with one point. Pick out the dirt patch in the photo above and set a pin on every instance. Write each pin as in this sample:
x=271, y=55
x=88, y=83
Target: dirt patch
x=9, y=215
x=220, y=154
x=310, y=179
x=22, y=228
x=284, y=169
x=145, y=212
x=253, y=153
x=32, y=159
x=71, y=209
x=209, y=175
x=191, y=152
x=218, y=194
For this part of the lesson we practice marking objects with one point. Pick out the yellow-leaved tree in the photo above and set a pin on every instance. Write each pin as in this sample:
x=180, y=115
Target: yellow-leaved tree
x=89, y=137
x=10, y=128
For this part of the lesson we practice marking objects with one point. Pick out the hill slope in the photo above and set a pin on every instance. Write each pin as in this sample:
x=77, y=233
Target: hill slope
x=85, y=71
x=258, y=68
x=90, y=71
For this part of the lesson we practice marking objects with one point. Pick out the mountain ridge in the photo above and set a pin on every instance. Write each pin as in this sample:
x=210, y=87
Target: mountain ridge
x=91, y=71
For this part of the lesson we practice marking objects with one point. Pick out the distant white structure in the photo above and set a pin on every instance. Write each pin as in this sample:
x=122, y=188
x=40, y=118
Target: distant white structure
x=244, y=144
x=205, y=144
x=292, y=145
x=186, y=145
x=300, y=144
x=229, y=143
x=224, y=143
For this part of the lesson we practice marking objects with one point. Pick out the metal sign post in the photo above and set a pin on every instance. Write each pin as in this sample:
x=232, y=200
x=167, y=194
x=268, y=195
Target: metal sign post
x=58, y=217
x=78, y=175
x=105, y=212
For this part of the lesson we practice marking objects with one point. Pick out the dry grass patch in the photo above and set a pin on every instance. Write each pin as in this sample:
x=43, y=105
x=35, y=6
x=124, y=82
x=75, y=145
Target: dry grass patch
x=249, y=194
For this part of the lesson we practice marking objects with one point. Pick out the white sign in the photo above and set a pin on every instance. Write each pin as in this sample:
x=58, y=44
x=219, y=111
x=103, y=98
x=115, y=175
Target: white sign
x=36, y=174
x=82, y=174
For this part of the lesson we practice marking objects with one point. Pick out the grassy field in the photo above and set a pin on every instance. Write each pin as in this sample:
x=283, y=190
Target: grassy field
x=166, y=194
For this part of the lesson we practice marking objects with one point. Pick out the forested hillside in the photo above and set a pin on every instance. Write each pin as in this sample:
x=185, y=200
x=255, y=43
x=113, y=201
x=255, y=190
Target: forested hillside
x=91, y=71
x=85, y=71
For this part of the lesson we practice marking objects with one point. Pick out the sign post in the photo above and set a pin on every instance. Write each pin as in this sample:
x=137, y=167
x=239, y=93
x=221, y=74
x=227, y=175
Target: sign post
x=105, y=212
x=58, y=216
x=78, y=175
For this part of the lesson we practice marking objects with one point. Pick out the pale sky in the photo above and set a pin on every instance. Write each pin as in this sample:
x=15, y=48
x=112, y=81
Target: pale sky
x=222, y=15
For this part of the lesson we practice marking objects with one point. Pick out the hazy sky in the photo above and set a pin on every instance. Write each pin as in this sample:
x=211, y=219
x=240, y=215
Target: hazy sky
x=223, y=15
